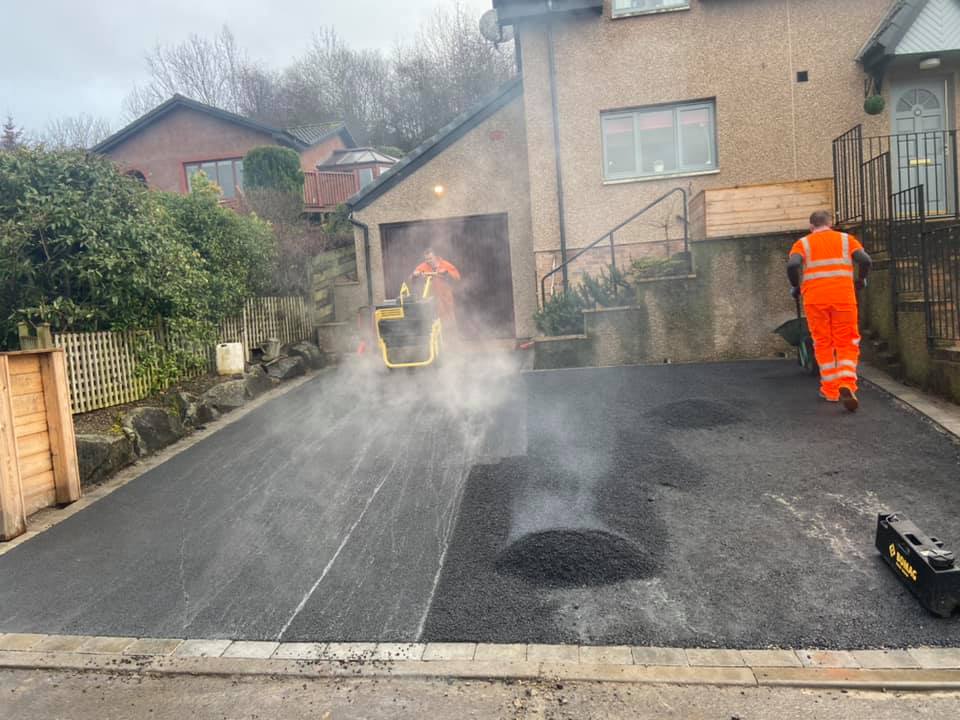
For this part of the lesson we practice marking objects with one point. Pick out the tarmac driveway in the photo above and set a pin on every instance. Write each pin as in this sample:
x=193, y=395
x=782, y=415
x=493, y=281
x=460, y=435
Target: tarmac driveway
x=678, y=505
x=324, y=513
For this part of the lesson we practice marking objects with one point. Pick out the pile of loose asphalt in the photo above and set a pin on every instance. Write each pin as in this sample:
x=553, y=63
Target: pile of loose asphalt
x=680, y=505
x=714, y=505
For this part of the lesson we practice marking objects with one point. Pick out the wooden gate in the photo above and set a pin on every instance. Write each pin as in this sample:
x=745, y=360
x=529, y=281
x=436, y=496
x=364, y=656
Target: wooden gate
x=480, y=249
x=38, y=451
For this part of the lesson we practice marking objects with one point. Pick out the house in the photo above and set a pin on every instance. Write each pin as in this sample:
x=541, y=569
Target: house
x=165, y=147
x=721, y=114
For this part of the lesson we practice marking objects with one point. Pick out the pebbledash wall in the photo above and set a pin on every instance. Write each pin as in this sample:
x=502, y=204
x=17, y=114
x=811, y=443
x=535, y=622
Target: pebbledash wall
x=741, y=53
x=483, y=172
x=727, y=310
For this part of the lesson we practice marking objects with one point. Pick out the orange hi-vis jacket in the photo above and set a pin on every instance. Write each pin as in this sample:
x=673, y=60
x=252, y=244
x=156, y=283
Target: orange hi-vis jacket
x=828, y=272
x=441, y=288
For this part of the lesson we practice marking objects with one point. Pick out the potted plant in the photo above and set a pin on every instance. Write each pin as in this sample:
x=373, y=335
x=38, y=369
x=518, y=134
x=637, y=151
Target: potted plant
x=874, y=104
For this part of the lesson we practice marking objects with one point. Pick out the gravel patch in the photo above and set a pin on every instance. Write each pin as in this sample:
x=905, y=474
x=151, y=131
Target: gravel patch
x=696, y=414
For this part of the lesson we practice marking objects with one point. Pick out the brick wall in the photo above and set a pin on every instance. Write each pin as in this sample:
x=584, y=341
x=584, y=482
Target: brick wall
x=183, y=135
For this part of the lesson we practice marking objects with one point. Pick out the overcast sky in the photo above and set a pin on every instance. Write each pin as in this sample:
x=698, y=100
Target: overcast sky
x=64, y=57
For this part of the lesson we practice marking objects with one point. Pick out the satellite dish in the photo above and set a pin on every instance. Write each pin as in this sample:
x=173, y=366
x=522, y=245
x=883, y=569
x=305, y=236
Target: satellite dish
x=490, y=28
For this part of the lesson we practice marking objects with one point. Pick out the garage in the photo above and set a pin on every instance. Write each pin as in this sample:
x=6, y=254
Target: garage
x=480, y=249
x=465, y=193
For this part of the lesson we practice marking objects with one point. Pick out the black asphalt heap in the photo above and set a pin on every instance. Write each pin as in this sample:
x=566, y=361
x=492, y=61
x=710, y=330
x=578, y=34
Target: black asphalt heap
x=743, y=509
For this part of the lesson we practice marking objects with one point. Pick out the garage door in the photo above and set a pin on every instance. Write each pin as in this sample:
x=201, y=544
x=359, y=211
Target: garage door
x=479, y=247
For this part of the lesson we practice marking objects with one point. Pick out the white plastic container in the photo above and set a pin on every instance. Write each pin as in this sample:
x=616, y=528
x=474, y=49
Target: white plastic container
x=230, y=358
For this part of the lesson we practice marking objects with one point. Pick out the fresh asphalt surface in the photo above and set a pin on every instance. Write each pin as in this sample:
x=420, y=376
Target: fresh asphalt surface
x=691, y=505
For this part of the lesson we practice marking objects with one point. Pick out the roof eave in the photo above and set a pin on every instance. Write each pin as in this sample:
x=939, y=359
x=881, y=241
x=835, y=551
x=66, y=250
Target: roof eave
x=881, y=47
x=440, y=141
x=182, y=101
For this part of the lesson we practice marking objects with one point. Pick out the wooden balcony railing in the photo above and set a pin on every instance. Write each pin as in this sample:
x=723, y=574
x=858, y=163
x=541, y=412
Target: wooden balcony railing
x=326, y=190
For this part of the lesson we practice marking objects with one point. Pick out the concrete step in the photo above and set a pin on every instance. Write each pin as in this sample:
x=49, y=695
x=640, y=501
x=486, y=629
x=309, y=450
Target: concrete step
x=947, y=354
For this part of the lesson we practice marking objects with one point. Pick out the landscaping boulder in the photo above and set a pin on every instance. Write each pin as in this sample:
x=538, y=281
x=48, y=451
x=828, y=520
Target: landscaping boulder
x=200, y=413
x=100, y=456
x=153, y=428
x=258, y=382
x=310, y=353
x=226, y=396
x=181, y=400
x=287, y=368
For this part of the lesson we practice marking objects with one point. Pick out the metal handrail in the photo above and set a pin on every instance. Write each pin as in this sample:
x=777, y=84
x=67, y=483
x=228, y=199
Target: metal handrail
x=921, y=157
x=609, y=237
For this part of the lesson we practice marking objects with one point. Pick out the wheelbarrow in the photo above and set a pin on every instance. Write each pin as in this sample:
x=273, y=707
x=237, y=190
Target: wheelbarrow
x=797, y=334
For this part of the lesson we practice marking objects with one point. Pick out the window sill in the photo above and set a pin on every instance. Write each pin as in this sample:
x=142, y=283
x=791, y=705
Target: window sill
x=665, y=176
x=636, y=13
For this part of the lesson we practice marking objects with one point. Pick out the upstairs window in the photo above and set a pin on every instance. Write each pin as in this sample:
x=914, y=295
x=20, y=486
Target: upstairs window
x=662, y=140
x=228, y=174
x=622, y=8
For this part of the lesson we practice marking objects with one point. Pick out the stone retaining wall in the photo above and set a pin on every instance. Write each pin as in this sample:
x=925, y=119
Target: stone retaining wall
x=726, y=310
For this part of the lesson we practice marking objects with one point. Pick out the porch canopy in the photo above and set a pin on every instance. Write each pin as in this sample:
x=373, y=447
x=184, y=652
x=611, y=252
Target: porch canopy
x=913, y=31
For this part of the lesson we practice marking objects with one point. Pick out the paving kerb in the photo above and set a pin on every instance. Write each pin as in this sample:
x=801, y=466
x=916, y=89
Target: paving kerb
x=940, y=668
x=944, y=414
x=47, y=518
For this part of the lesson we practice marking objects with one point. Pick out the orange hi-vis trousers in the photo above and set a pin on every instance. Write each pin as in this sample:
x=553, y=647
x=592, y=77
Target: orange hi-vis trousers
x=836, y=344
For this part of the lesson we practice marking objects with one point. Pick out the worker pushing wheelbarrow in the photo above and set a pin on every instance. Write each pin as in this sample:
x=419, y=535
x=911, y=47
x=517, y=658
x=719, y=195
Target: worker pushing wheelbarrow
x=822, y=269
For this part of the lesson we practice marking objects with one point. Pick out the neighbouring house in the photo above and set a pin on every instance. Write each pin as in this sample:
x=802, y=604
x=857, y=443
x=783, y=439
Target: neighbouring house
x=732, y=105
x=165, y=147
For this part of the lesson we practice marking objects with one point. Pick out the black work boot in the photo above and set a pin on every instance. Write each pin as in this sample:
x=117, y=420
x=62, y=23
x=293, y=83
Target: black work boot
x=849, y=399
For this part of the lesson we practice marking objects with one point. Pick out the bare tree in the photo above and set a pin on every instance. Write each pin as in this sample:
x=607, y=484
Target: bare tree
x=386, y=101
x=211, y=70
x=333, y=80
x=447, y=69
x=76, y=131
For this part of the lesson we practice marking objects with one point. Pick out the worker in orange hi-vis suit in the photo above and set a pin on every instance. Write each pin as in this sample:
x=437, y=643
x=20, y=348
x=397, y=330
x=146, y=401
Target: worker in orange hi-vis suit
x=826, y=258
x=442, y=288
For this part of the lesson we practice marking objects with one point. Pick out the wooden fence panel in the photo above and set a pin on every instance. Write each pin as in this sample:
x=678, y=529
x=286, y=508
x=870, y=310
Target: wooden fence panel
x=102, y=366
x=13, y=520
x=38, y=451
x=102, y=369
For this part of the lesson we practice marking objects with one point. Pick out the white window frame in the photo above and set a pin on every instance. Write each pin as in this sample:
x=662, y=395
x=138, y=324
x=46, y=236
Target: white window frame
x=634, y=113
x=622, y=13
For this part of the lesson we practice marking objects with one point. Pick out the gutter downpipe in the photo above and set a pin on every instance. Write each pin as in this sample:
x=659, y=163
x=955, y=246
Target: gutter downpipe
x=366, y=255
x=552, y=68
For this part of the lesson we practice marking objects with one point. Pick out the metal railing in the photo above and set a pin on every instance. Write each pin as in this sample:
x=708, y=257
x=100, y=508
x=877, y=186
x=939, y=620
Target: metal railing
x=941, y=260
x=848, y=176
x=867, y=168
x=609, y=238
x=877, y=208
x=907, y=225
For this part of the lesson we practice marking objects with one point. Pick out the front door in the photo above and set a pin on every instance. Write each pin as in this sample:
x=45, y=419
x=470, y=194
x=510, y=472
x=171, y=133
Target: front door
x=921, y=150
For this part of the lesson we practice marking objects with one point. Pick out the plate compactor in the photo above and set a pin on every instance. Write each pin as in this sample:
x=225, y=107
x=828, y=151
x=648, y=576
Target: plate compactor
x=921, y=562
x=409, y=330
